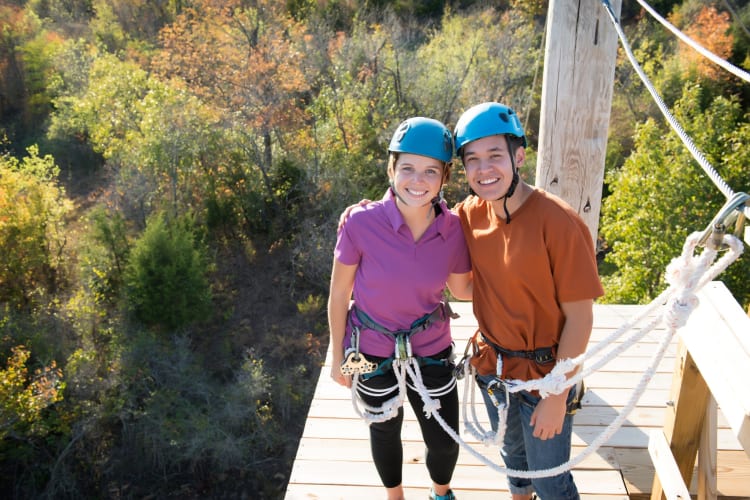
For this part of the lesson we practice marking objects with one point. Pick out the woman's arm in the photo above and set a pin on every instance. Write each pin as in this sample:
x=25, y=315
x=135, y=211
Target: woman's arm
x=340, y=294
x=461, y=285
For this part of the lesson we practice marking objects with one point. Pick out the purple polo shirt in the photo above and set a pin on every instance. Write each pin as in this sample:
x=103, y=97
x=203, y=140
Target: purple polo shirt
x=399, y=280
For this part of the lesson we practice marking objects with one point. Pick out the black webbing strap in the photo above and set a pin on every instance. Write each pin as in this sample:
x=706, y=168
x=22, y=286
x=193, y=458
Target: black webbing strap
x=441, y=313
x=541, y=356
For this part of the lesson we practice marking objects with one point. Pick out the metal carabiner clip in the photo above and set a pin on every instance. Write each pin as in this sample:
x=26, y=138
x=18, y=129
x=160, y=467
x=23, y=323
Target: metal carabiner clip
x=730, y=213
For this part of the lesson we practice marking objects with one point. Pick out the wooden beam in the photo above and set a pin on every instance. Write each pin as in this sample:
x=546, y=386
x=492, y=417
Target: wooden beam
x=579, y=69
x=717, y=337
x=684, y=417
x=666, y=468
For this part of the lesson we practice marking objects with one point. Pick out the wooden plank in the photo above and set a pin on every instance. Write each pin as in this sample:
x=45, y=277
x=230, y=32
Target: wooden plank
x=732, y=481
x=625, y=437
x=358, y=451
x=707, y=451
x=592, y=415
x=346, y=492
x=342, y=473
x=666, y=468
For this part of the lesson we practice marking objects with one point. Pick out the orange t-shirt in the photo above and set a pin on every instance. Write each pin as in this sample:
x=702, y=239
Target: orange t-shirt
x=523, y=271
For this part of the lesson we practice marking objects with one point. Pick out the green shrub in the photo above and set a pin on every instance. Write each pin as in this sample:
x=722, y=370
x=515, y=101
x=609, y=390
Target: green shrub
x=166, y=276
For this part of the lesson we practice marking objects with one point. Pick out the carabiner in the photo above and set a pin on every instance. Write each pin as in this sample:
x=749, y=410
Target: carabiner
x=717, y=228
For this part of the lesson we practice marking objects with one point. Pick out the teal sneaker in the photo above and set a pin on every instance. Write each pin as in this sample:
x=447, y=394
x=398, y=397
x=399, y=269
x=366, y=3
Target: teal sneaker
x=447, y=496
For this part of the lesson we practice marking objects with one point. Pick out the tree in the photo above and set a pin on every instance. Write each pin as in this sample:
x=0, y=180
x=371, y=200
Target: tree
x=166, y=276
x=482, y=55
x=32, y=228
x=711, y=29
x=246, y=62
x=661, y=195
x=22, y=398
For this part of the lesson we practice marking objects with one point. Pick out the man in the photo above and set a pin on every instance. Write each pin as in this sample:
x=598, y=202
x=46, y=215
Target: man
x=535, y=281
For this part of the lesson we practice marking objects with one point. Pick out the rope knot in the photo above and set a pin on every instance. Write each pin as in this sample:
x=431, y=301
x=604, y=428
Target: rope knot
x=431, y=406
x=678, y=310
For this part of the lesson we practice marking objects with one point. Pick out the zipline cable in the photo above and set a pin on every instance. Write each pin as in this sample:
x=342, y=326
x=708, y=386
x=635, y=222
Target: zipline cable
x=695, y=45
x=686, y=140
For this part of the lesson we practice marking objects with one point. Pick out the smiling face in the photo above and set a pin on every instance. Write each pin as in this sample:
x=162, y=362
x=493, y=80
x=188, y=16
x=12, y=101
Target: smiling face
x=416, y=179
x=488, y=165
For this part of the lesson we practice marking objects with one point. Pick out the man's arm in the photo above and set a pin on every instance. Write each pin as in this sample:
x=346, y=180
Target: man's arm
x=548, y=416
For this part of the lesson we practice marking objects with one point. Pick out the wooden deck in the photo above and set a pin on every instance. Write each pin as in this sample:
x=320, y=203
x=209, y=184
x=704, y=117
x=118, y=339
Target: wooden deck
x=333, y=460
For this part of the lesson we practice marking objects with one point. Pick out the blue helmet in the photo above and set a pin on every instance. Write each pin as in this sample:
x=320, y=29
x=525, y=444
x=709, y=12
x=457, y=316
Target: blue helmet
x=423, y=136
x=484, y=120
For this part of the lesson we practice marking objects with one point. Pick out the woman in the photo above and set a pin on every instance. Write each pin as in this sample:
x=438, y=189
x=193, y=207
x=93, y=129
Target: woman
x=395, y=257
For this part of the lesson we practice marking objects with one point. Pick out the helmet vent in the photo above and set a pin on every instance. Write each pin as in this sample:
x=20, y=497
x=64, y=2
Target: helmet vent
x=448, y=142
x=504, y=117
x=401, y=132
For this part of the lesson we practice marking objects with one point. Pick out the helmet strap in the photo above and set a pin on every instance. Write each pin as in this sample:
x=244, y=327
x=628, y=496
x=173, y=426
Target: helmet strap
x=513, y=183
x=395, y=193
x=435, y=202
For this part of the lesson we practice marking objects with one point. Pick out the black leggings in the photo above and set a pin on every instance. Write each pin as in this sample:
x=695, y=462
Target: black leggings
x=385, y=437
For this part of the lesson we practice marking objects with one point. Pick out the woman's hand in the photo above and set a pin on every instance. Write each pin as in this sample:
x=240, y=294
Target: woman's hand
x=340, y=378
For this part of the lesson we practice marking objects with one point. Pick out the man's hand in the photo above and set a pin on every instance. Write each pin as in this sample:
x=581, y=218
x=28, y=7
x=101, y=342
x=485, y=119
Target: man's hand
x=548, y=416
x=347, y=211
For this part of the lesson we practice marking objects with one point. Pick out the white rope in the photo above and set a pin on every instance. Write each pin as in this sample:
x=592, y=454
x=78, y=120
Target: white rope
x=402, y=368
x=686, y=140
x=685, y=275
x=695, y=45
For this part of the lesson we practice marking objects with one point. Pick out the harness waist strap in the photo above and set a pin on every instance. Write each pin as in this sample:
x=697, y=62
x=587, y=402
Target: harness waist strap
x=541, y=355
x=441, y=313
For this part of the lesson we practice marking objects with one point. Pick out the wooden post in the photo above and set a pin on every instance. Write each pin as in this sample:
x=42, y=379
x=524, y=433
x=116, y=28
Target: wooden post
x=707, y=454
x=579, y=68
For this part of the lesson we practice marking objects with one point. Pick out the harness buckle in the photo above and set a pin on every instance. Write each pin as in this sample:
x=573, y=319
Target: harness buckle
x=460, y=369
x=491, y=393
x=543, y=356
x=403, y=347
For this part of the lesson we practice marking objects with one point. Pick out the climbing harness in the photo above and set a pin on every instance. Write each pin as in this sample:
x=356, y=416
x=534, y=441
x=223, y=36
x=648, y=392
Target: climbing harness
x=354, y=361
x=404, y=364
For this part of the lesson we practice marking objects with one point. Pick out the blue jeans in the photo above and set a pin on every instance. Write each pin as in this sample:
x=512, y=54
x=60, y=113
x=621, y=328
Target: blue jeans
x=522, y=451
